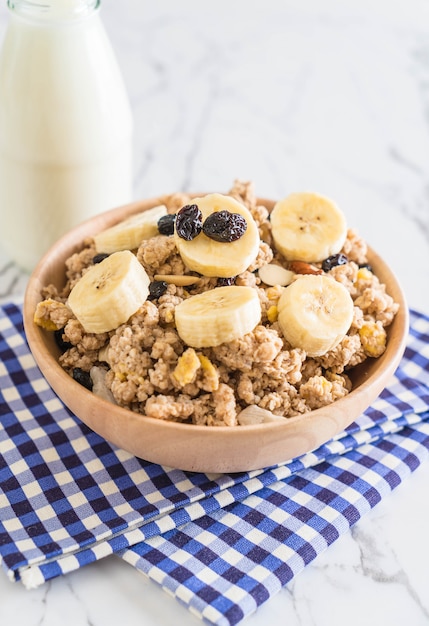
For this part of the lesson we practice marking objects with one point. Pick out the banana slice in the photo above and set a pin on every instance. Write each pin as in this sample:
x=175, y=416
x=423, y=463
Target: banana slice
x=308, y=227
x=129, y=234
x=217, y=316
x=109, y=293
x=315, y=313
x=213, y=258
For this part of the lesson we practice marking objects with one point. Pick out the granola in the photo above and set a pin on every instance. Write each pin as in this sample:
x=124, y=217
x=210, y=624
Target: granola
x=148, y=368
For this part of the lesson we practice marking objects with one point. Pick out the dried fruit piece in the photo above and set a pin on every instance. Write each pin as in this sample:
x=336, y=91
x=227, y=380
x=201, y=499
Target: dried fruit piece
x=364, y=274
x=224, y=226
x=82, y=377
x=366, y=266
x=272, y=314
x=187, y=366
x=157, y=288
x=211, y=375
x=226, y=282
x=43, y=315
x=373, y=338
x=189, y=222
x=99, y=257
x=333, y=261
x=166, y=224
x=59, y=340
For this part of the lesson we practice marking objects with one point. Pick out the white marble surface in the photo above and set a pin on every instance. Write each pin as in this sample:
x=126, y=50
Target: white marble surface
x=331, y=97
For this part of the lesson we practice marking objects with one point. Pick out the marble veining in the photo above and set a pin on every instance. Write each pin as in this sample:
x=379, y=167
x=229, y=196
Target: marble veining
x=379, y=563
x=331, y=97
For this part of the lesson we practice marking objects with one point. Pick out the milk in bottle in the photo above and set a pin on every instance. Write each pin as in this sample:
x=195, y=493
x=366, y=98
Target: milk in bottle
x=65, y=125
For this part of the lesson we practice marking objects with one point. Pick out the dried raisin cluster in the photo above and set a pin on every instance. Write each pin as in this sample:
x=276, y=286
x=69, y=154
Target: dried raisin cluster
x=221, y=226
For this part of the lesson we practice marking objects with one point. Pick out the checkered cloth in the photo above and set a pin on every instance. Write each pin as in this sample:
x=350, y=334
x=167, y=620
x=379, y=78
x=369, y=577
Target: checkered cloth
x=221, y=544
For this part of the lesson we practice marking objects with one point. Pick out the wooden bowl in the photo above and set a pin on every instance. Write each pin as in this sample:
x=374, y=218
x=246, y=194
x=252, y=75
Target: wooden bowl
x=202, y=448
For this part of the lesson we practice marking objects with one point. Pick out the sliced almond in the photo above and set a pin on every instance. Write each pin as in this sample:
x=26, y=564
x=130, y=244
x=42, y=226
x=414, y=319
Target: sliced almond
x=103, y=353
x=100, y=388
x=180, y=280
x=254, y=414
x=272, y=274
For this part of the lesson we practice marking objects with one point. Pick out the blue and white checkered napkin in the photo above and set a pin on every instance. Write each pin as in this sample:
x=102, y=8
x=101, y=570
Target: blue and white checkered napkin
x=222, y=544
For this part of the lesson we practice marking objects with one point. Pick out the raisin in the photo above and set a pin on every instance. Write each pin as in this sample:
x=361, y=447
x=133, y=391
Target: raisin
x=63, y=345
x=189, y=222
x=99, y=257
x=366, y=266
x=82, y=377
x=157, y=288
x=166, y=224
x=333, y=261
x=226, y=282
x=224, y=226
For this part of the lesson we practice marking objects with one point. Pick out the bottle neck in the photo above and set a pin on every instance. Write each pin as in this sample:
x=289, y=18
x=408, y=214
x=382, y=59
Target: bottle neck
x=53, y=9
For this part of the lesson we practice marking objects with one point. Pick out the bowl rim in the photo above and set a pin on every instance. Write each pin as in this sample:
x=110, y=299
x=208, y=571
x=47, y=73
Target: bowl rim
x=56, y=375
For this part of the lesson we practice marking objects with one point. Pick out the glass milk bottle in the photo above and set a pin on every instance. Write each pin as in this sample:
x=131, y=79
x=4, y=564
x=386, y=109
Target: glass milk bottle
x=65, y=125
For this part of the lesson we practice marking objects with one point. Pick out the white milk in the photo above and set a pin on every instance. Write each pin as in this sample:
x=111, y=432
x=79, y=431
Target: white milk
x=65, y=125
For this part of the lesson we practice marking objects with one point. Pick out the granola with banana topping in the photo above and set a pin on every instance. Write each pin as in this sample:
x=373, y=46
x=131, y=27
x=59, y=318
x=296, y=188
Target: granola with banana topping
x=274, y=311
